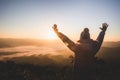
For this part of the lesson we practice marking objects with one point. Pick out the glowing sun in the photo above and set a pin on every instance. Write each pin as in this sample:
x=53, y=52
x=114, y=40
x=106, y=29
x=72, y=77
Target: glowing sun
x=51, y=35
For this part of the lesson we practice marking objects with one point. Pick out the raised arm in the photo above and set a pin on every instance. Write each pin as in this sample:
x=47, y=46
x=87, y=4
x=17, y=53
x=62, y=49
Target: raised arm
x=100, y=37
x=69, y=43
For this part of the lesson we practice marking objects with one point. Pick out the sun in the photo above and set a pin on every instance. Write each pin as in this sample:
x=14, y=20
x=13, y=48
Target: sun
x=51, y=35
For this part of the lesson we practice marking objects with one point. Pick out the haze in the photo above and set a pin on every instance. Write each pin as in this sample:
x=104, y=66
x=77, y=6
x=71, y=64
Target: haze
x=34, y=18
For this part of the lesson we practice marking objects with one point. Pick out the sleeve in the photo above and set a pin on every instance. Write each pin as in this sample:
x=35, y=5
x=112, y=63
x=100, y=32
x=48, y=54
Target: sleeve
x=69, y=43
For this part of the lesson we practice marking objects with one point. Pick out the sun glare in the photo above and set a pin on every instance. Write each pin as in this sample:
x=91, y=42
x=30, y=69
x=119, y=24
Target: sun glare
x=51, y=35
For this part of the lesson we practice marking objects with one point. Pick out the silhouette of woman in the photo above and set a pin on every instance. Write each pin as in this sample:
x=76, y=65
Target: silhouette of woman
x=85, y=50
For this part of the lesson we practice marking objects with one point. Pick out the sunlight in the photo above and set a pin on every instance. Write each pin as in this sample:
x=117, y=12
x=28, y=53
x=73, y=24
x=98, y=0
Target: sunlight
x=51, y=35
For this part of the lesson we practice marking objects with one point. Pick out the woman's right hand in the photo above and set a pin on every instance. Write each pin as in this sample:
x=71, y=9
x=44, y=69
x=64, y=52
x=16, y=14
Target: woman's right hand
x=55, y=28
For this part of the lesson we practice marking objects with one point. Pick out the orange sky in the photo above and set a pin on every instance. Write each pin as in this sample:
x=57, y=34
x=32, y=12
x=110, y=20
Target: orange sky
x=33, y=19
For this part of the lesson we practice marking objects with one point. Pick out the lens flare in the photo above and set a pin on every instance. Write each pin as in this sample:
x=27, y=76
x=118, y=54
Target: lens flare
x=51, y=35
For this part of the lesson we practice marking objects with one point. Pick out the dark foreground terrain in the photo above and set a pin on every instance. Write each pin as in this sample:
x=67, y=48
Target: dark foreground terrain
x=10, y=70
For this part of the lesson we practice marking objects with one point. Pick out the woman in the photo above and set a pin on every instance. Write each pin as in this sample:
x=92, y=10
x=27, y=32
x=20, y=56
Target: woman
x=84, y=52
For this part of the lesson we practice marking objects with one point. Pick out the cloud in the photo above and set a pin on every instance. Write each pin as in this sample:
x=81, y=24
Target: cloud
x=20, y=51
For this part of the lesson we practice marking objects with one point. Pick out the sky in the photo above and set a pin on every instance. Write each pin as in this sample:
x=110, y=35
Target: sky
x=35, y=18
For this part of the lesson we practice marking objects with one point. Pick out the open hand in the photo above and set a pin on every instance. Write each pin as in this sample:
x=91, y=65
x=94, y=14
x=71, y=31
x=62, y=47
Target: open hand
x=55, y=28
x=104, y=26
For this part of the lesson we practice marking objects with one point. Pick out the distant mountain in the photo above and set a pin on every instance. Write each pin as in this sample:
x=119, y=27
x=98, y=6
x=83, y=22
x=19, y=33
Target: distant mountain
x=111, y=44
x=110, y=54
x=110, y=51
x=11, y=42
